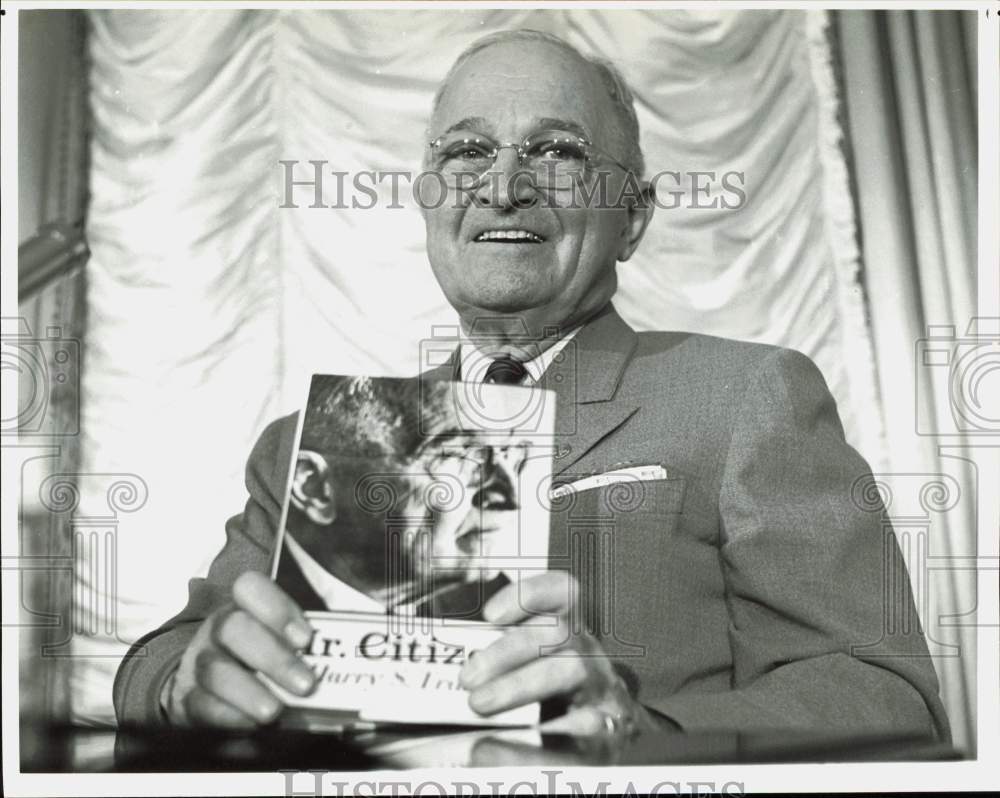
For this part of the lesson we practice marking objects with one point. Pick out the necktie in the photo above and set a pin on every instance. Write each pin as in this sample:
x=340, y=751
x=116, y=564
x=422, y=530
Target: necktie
x=505, y=371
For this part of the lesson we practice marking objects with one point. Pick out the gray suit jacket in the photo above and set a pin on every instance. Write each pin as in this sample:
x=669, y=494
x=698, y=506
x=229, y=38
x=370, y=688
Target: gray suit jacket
x=748, y=590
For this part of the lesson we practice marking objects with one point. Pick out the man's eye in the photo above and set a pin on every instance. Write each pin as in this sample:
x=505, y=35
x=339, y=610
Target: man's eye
x=466, y=152
x=558, y=151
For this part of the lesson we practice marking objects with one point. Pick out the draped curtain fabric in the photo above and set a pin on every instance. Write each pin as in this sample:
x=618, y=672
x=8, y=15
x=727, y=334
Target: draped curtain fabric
x=909, y=85
x=211, y=304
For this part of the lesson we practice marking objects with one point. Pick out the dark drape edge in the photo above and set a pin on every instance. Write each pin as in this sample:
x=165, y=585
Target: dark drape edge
x=57, y=310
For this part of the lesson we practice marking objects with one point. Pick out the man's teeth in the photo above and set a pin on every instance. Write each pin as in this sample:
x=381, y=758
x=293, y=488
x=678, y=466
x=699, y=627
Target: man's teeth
x=509, y=235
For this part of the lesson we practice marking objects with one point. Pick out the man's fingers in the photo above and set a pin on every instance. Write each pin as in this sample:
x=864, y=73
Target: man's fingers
x=259, y=631
x=549, y=592
x=518, y=646
x=236, y=686
x=269, y=604
x=257, y=647
x=204, y=709
x=559, y=674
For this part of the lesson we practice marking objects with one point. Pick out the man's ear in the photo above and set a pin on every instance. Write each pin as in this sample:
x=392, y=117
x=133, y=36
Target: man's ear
x=312, y=488
x=640, y=213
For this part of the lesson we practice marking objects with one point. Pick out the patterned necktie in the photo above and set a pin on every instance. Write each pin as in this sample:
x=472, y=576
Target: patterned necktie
x=505, y=371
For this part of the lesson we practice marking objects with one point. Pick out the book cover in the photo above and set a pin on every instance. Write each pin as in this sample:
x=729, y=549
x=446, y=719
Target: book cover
x=409, y=504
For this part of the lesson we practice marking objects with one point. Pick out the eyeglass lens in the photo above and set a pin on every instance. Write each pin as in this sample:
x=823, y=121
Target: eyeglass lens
x=553, y=158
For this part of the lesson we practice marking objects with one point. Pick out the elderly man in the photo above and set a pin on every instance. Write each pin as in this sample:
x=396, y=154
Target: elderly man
x=746, y=590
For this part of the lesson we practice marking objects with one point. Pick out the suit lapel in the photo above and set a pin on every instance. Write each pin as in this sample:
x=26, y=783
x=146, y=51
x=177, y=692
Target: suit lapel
x=589, y=407
x=585, y=380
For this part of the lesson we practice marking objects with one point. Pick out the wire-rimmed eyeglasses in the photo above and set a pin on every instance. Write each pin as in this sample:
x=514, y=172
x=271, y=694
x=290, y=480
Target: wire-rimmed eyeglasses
x=554, y=158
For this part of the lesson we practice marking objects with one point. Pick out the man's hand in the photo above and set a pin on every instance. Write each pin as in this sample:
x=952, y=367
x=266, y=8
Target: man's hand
x=215, y=683
x=536, y=661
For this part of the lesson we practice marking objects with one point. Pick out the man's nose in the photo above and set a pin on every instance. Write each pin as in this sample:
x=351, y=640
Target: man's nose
x=507, y=184
x=497, y=489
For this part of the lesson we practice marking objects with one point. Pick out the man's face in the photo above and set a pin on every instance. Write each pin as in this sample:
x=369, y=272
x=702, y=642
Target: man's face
x=508, y=91
x=473, y=497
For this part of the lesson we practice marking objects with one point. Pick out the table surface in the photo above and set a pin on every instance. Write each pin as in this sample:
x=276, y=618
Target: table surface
x=48, y=748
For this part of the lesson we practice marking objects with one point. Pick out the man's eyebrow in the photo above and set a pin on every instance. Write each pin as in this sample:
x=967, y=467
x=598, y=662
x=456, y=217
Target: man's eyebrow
x=449, y=438
x=476, y=123
x=481, y=125
x=568, y=125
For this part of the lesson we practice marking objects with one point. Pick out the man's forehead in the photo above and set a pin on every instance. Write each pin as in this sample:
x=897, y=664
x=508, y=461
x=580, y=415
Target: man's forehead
x=521, y=83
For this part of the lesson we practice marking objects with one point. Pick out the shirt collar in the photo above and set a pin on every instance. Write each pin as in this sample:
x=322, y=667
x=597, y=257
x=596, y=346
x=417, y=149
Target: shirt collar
x=471, y=355
x=336, y=594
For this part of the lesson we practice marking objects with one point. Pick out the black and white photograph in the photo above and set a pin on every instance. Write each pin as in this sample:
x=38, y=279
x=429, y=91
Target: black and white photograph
x=397, y=505
x=481, y=398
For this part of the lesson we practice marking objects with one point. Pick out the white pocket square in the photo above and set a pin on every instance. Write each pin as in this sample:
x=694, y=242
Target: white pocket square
x=644, y=473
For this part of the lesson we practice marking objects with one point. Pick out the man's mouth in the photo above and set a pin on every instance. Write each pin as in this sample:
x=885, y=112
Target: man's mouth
x=509, y=237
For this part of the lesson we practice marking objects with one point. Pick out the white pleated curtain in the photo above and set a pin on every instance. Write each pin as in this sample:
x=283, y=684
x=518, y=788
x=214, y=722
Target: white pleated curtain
x=210, y=305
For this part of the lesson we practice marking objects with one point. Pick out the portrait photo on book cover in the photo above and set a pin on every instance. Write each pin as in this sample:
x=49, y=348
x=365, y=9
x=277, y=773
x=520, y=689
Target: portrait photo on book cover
x=403, y=502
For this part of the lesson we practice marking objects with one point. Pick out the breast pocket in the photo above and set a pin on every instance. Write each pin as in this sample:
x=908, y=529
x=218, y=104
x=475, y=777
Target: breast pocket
x=643, y=499
x=623, y=510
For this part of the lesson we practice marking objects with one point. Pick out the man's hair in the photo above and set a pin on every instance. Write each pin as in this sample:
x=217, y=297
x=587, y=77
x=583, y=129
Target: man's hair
x=380, y=420
x=367, y=429
x=614, y=82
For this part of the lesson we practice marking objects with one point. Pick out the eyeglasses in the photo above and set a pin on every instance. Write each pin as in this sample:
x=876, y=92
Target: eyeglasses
x=554, y=158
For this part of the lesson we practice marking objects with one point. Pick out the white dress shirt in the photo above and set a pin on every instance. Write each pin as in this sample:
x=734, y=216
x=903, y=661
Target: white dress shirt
x=336, y=594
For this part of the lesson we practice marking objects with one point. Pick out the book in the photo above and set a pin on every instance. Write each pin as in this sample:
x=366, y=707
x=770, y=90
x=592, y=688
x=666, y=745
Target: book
x=409, y=504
